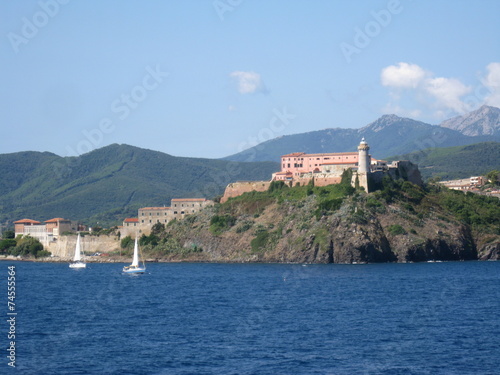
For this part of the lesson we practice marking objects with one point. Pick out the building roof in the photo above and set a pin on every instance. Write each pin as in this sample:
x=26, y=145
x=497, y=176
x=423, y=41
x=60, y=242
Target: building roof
x=322, y=154
x=189, y=200
x=27, y=221
x=155, y=208
x=131, y=220
x=55, y=220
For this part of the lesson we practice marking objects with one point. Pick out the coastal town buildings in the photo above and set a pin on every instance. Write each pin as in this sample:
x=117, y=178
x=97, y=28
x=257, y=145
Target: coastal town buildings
x=324, y=169
x=465, y=184
x=149, y=216
x=47, y=232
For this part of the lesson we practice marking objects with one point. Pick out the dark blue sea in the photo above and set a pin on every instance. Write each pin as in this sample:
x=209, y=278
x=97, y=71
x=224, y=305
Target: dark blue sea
x=422, y=318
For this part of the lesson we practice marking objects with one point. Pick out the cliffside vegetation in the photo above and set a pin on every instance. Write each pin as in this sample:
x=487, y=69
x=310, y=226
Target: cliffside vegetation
x=337, y=223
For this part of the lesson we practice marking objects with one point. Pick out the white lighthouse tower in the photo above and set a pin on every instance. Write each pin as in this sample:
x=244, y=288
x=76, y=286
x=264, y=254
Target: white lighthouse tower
x=364, y=162
x=364, y=159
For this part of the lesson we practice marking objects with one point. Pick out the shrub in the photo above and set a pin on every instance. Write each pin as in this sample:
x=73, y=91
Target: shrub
x=27, y=246
x=276, y=186
x=396, y=229
x=327, y=206
x=244, y=227
x=126, y=242
x=8, y=234
x=260, y=241
x=7, y=244
x=158, y=228
x=220, y=223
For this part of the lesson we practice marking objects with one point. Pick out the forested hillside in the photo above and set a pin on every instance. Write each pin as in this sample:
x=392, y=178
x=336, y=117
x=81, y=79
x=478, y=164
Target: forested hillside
x=110, y=183
x=456, y=162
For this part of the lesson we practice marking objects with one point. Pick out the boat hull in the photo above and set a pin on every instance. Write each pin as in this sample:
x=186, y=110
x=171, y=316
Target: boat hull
x=134, y=270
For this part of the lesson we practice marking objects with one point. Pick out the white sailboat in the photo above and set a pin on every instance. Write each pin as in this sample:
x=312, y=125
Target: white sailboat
x=77, y=259
x=135, y=267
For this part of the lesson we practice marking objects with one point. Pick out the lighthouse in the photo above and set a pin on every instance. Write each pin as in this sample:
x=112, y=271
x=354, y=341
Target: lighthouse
x=364, y=159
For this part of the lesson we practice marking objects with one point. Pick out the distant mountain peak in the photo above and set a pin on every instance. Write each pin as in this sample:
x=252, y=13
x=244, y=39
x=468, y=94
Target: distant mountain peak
x=385, y=121
x=483, y=121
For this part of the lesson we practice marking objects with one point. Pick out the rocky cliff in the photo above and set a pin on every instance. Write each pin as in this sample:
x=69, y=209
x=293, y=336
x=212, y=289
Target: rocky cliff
x=361, y=228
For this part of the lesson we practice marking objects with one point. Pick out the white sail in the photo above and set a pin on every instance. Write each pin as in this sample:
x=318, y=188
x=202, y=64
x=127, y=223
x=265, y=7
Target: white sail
x=135, y=260
x=77, y=256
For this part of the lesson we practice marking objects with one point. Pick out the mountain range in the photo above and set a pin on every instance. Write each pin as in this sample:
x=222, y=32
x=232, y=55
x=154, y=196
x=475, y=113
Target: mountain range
x=387, y=136
x=111, y=183
x=484, y=121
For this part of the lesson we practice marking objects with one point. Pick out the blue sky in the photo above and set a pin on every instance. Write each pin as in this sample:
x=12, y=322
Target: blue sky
x=208, y=78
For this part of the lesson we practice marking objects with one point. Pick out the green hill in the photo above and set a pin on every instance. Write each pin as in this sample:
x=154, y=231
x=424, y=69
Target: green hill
x=110, y=183
x=456, y=162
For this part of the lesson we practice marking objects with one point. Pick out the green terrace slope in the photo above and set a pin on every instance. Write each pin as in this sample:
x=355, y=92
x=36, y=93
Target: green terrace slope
x=456, y=162
x=110, y=183
x=336, y=224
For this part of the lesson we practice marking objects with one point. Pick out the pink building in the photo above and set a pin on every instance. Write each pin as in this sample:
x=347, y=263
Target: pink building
x=298, y=163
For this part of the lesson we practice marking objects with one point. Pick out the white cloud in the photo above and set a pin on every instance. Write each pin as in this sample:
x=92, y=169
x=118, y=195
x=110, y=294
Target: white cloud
x=492, y=83
x=402, y=75
x=416, y=87
x=248, y=82
x=447, y=93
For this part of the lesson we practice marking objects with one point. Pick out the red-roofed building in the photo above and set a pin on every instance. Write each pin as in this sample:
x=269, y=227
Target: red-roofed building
x=149, y=216
x=58, y=226
x=21, y=224
x=130, y=222
x=299, y=163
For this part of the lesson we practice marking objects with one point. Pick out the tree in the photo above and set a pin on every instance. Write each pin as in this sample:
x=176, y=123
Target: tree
x=7, y=244
x=158, y=228
x=8, y=234
x=29, y=246
x=126, y=242
x=493, y=177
